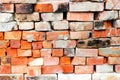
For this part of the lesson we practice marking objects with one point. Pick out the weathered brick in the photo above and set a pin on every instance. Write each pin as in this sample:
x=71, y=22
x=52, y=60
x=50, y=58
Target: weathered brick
x=18, y=1
x=76, y=16
x=116, y=23
x=15, y=35
x=107, y=15
x=33, y=36
x=36, y=45
x=11, y=52
x=86, y=0
x=78, y=60
x=88, y=69
x=64, y=44
x=67, y=68
x=57, y=52
x=6, y=17
x=69, y=52
x=80, y=35
x=19, y=69
x=56, y=35
x=1, y=36
x=113, y=60
x=15, y=43
x=24, y=53
x=47, y=44
x=85, y=6
x=26, y=25
x=4, y=27
x=60, y=25
x=74, y=76
x=105, y=68
x=51, y=61
x=115, y=40
x=24, y=8
x=25, y=45
x=109, y=52
x=2, y=52
x=42, y=26
x=52, y=16
x=78, y=26
x=46, y=52
x=36, y=53
x=4, y=43
x=28, y=17
x=5, y=60
x=86, y=52
x=7, y=8
x=35, y=62
x=5, y=69
x=117, y=68
x=65, y=60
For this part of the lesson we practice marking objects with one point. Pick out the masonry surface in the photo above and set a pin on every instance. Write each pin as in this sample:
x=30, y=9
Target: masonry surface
x=59, y=39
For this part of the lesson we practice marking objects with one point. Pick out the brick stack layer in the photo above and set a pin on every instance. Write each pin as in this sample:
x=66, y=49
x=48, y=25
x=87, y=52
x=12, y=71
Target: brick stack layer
x=60, y=40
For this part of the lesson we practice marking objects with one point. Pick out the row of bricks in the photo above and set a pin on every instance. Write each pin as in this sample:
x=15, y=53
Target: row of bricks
x=61, y=7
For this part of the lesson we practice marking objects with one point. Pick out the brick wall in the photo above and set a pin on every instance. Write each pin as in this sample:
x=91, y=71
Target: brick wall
x=60, y=40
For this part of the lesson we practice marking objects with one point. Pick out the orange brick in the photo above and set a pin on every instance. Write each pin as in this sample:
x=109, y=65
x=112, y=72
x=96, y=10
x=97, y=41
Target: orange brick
x=34, y=71
x=19, y=61
x=25, y=45
x=7, y=8
x=57, y=52
x=36, y=53
x=78, y=61
x=1, y=36
x=5, y=69
x=2, y=52
x=47, y=44
x=113, y=60
x=52, y=69
x=44, y=7
x=15, y=43
x=24, y=53
x=11, y=52
x=4, y=43
x=57, y=35
x=95, y=60
x=88, y=69
x=5, y=61
x=67, y=68
x=80, y=16
x=15, y=35
x=51, y=60
x=118, y=32
x=107, y=24
x=65, y=60
x=45, y=52
x=19, y=69
x=36, y=45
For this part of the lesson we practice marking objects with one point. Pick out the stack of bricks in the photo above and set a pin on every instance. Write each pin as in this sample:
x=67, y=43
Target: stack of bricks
x=60, y=40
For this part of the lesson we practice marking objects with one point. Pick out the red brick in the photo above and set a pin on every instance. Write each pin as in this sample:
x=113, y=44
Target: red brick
x=25, y=45
x=1, y=36
x=5, y=61
x=118, y=32
x=5, y=69
x=24, y=53
x=52, y=69
x=65, y=60
x=67, y=68
x=2, y=52
x=47, y=44
x=57, y=52
x=78, y=61
x=7, y=8
x=24, y=8
x=46, y=52
x=95, y=60
x=117, y=68
x=36, y=45
x=15, y=35
x=19, y=61
x=15, y=43
x=88, y=69
x=19, y=69
x=4, y=43
x=51, y=61
x=34, y=71
x=11, y=52
x=108, y=24
x=36, y=53
x=80, y=16
x=57, y=35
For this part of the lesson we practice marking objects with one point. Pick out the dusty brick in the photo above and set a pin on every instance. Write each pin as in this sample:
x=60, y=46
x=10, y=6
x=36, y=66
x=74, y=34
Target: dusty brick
x=19, y=69
x=95, y=61
x=24, y=53
x=46, y=52
x=5, y=61
x=15, y=43
x=18, y=1
x=86, y=0
x=2, y=52
x=85, y=6
x=116, y=23
x=34, y=71
x=52, y=69
x=33, y=36
x=52, y=16
x=88, y=69
x=51, y=61
x=11, y=52
x=60, y=25
x=78, y=26
x=115, y=40
x=28, y=17
x=42, y=26
x=36, y=53
x=117, y=68
x=105, y=68
x=65, y=60
x=80, y=35
x=69, y=52
x=6, y=17
x=64, y=44
x=26, y=25
x=107, y=15
x=5, y=69
x=24, y=8
x=56, y=35
x=4, y=43
x=47, y=44
x=57, y=52
x=25, y=45
x=79, y=16
x=78, y=61
x=7, y=8
x=67, y=68
x=113, y=60
x=15, y=35
x=36, y=45
x=35, y=62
